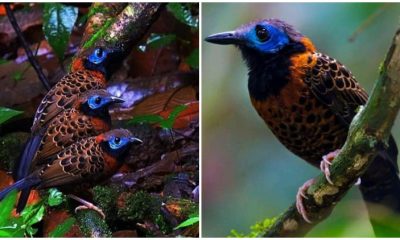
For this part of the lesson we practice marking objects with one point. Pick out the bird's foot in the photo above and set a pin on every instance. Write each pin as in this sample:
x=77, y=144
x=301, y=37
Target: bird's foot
x=299, y=199
x=326, y=164
x=86, y=205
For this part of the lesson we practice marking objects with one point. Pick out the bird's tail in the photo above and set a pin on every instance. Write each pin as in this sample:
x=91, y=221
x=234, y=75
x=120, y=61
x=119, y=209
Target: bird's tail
x=21, y=169
x=23, y=199
x=380, y=188
x=22, y=184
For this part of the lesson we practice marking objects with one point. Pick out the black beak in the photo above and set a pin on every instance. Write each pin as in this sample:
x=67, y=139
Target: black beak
x=224, y=38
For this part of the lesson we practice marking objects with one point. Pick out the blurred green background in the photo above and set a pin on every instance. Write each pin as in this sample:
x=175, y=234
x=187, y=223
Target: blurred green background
x=247, y=174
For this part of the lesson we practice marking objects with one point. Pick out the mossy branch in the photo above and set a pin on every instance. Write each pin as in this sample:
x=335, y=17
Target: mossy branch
x=118, y=25
x=369, y=132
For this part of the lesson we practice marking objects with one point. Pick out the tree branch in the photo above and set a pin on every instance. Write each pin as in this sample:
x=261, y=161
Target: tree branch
x=117, y=25
x=25, y=45
x=368, y=133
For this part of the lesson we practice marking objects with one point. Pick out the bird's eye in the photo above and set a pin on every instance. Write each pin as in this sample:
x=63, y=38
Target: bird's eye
x=97, y=100
x=262, y=33
x=98, y=56
x=117, y=143
x=99, y=52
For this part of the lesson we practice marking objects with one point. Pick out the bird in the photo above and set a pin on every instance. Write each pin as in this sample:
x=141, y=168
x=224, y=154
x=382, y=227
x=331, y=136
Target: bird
x=88, y=162
x=88, y=72
x=87, y=117
x=308, y=100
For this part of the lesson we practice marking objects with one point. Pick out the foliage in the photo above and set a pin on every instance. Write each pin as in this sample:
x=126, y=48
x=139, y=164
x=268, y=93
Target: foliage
x=257, y=230
x=166, y=123
x=58, y=22
x=140, y=205
x=157, y=41
x=193, y=219
x=17, y=76
x=193, y=59
x=7, y=113
x=183, y=14
x=20, y=226
x=3, y=61
x=63, y=228
x=104, y=197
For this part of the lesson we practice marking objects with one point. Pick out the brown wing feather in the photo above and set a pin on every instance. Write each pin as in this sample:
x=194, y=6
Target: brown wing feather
x=63, y=95
x=67, y=128
x=81, y=161
x=334, y=85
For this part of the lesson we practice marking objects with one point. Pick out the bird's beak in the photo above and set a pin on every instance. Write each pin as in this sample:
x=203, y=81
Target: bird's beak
x=136, y=141
x=117, y=99
x=224, y=38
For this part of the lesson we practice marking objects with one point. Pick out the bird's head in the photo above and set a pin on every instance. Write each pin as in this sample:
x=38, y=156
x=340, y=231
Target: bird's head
x=99, y=58
x=265, y=37
x=117, y=141
x=96, y=102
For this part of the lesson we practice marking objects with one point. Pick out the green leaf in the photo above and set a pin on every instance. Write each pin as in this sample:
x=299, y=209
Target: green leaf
x=31, y=231
x=6, y=233
x=6, y=207
x=55, y=197
x=158, y=41
x=17, y=76
x=150, y=119
x=7, y=113
x=63, y=228
x=58, y=21
x=183, y=14
x=37, y=215
x=188, y=222
x=3, y=61
x=193, y=59
x=169, y=122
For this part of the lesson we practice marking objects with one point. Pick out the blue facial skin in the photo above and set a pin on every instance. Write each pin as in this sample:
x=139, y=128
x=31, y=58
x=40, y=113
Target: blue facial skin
x=117, y=143
x=98, y=56
x=276, y=41
x=96, y=102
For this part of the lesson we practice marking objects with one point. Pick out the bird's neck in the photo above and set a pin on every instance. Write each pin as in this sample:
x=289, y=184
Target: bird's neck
x=270, y=73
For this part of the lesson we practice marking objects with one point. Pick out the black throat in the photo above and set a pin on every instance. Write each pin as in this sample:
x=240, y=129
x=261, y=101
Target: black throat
x=98, y=113
x=269, y=73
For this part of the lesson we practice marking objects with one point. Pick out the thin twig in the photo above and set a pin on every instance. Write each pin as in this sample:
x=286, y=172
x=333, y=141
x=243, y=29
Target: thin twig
x=25, y=45
x=368, y=21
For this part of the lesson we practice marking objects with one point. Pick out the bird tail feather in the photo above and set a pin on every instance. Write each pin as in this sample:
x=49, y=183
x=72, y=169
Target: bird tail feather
x=380, y=188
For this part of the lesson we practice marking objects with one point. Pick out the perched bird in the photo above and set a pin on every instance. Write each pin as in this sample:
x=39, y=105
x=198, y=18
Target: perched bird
x=88, y=161
x=87, y=73
x=308, y=100
x=88, y=117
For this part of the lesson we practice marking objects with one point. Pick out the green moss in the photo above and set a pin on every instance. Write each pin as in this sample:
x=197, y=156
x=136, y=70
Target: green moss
x=105, y=197
x=257, y=230
x=139, y=206
x=99, y=34
x=92, y=225
x=187, y=206
x=97, y=9
x=11, y=145
x=164, y=227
